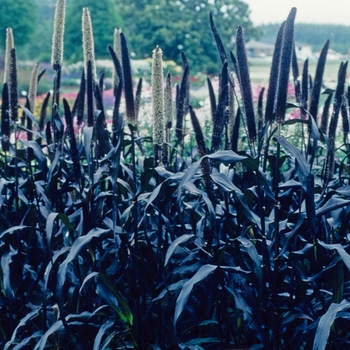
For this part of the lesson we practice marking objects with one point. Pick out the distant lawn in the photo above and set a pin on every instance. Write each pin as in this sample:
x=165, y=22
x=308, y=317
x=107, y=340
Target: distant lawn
x=260, y=70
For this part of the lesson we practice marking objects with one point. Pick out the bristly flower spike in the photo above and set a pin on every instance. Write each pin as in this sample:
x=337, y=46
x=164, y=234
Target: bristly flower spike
x=10, y=44
x=316, y=89
x=270, y=106
x=284, y=67
x=58, y=32
x=33, y=87
x=118, y=51
x=158, y=103
x=128, y=82
x=245, y=85
x=168, y=113
x=88, y=42
x=5, y=119
x=168, y=102
x=13, y=92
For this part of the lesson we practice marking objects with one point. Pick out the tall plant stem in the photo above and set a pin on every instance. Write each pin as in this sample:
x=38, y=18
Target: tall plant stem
x=276, y=212
x=266, y=153
x=16, y=176
x=136, y=234
x=134, y=180
x=276, y=245
x=55, y=104
x=57, y=85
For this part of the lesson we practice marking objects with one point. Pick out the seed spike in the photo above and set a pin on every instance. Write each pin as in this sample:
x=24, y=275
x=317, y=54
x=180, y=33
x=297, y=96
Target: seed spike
x=316, y=89
x=5, y=119
x=58, y=33
x=273, y=81
x=88, y=43
x=127, y=82
x=245, y=85
x=158, y=103
x=10, y=44
x=33, y=87
x=13, y=88
x=284, y=66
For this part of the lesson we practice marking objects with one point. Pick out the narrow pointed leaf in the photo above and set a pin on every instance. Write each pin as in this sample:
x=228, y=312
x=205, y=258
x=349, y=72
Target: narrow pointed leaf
x=340, y=250
x=198, y=133
x=182, y=239
x=6, y=263
x=73, y=143
x=43, y=112
x=181, y=106
x=79, y=244
x=316, y=89
x=101, y=332
x=174, y=286
x=325, y=114
x=109, y=292
x=223, y=182
x=102, y=134
x=212, y=100
x=22, y=323
x=325, y=323
x=218, y=40
x=88, y=133
x=13, y=229
x=186, y=290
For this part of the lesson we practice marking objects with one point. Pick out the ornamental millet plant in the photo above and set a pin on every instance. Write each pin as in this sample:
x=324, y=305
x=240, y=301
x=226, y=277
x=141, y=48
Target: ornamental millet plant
x=168, y=103
x=112, y=246
x=245, y=86
x=58, y=33
x=168, y=112
x=128, y=84
x=118, y=52
x=33, y=85
x=284, y=66
x=9, y=45
x=88, y=43
x=57, y=48
x=89, y=63
x=13, y=86
x=5, y=119
x=158, y=104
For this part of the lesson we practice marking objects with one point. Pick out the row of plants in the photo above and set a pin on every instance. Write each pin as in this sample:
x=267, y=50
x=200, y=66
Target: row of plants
x=236, y=238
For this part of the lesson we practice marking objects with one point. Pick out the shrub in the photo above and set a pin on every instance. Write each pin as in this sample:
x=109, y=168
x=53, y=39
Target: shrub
x=238, y=242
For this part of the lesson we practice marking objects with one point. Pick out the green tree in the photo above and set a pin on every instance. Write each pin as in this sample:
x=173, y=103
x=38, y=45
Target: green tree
x=20, y=15
x=183, y=25
x=41, y=43
x=104, y=18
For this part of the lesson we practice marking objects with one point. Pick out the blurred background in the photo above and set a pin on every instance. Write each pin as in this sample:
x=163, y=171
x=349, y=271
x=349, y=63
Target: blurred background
x=176, y=26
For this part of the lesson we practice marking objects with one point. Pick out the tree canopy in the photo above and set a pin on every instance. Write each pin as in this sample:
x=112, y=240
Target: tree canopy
x=104, y=17
x=20, y=15
x=183, y=25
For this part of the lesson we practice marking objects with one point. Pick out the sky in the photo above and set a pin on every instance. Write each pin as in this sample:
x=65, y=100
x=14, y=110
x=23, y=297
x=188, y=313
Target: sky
x=308, y=11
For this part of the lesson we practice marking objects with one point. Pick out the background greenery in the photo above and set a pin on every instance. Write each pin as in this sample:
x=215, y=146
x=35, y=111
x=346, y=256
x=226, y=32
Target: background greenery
x=146, y=23
x=25, y=13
